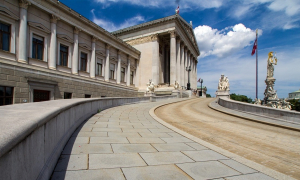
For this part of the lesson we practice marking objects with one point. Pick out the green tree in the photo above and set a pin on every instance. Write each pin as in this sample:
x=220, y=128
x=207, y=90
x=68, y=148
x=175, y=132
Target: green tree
x=208, y=95
x=241, y=98
x=295, y=103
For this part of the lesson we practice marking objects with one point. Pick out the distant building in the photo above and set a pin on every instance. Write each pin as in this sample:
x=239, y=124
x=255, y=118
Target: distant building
x=48, y=51
x=294, y=95
x=204, y=90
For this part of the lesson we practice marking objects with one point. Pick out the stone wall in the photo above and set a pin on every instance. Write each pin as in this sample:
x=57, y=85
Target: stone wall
x=24, y=78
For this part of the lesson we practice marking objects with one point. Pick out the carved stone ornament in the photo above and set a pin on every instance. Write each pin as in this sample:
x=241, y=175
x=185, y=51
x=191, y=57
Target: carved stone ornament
x=172, y=33
x=140, y=40
x=24, y=4
x=150, y=86
x=76, y=30
x=176, y=85
x=53, y=18
x=154, y=37
x=223, y=84
x=107, y=46
x=94, y=39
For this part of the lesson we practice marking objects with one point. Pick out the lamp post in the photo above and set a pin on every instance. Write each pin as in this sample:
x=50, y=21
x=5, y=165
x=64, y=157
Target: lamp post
x=201, y=81
x=188, y=69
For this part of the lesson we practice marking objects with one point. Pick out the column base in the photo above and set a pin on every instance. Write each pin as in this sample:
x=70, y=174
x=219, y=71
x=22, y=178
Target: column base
x=53, y=68
x=22, y=61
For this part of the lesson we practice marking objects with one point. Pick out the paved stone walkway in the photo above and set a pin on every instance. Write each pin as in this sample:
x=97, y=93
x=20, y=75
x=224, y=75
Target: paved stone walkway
x=127, y=143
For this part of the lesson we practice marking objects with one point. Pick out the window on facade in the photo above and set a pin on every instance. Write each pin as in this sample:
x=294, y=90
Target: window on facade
x=67, y=95
x=99, y=69
x=4, y=36
x=87, y=96
x=63, y=58
x=6, y=95
x=83, y=63
x=122, y=74
x=112, y=71
x=40, y=95
x=131, y=77
x=37, y=47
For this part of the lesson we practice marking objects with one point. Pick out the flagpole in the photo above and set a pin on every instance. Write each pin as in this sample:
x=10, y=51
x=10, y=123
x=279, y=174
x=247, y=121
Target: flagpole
x=256, y=65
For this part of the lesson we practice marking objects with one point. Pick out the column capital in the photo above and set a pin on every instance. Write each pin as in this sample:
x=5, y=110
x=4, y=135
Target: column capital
x=54, y=18
x=172, y=33
x=94, y=39
x=107, y=46
x=24, y=4
x=76, y=30
x=182, y=45
x=154, y=37
x=178, y=40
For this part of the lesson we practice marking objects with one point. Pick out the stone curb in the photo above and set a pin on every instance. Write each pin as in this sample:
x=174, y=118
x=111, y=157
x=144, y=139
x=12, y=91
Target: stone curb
x=251, y=119
x=251, y=164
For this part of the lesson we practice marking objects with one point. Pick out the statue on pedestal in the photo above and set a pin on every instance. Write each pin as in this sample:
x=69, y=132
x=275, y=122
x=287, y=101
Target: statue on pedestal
x=223, y=87
x=272, y=60
x=176, y=85
x=150, y=86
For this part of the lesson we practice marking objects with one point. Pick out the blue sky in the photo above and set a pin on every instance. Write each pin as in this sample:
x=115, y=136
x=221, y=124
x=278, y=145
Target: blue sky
x=225, y=32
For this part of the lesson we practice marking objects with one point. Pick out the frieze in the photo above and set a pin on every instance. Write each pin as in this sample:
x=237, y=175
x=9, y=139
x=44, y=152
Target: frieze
x=140, y=40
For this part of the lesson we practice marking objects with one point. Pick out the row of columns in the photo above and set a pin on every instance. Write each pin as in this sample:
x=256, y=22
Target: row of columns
x=180, y=58
x=75, y=57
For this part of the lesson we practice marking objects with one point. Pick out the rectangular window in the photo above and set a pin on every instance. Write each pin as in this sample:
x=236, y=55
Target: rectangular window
x=67, y=95
x=131, y=77
x=63, y=59
x=83, y=63
x=41, y=95
x=37, y=47
x=6, y=95
x=4, y=36
x=122, y=74
x=87, y=96
x=99, y=69
x=112, y=71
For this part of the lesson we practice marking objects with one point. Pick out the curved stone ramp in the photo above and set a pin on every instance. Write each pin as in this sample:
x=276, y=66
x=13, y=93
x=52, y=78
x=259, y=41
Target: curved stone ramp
x=129, y=143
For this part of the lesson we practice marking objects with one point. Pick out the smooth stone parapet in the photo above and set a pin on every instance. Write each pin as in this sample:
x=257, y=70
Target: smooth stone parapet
x=286, y=115
x=33, y=135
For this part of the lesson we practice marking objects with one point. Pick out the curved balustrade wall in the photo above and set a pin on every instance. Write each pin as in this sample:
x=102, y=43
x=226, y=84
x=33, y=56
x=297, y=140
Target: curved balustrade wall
x=292, y=116
x=33, y=135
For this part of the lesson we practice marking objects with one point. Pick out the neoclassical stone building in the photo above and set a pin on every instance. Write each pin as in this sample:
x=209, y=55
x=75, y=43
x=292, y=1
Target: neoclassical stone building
x=48, y=51
x=167, y=47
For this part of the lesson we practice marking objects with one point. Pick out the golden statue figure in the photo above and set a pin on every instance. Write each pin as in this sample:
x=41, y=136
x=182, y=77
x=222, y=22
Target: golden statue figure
x=272, y=60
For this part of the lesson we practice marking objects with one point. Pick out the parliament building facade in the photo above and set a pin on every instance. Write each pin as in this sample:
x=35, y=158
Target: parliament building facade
x=48, y=51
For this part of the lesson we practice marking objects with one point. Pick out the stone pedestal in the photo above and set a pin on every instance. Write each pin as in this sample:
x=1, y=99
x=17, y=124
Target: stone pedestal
x=176, y=92
x=223, y=93
x=271, y=99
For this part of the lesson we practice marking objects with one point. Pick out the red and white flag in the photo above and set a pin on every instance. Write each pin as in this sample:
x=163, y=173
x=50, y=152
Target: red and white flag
x=177, y=10
x=254, y=45
x=199, y=80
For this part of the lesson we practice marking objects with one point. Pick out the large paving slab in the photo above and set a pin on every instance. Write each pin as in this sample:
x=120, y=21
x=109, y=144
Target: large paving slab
x=126, y=142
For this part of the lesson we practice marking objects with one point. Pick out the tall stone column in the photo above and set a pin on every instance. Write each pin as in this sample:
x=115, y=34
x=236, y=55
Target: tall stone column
x=106, y=76
x=182, y=65
x=185, y=65
x=119, y=68
x=52, y=56
x=155, y=59
x=137, y=73
x=172, y=57
x=178, y=61
x=193, y=73
x=75, y=52
x=93, y=58
x=23, y=31
x=196, y=78
x=128, y=71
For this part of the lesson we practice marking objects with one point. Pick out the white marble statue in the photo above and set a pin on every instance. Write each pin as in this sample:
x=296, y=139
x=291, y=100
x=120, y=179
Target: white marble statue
x=285, y=105
x=150, y=86
x=223, y=83
x=176, y=85
x=257, y=101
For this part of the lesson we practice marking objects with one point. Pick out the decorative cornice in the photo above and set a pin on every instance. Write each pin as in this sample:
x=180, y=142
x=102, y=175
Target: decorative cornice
x=85, y=46
x=54, y=18
x=39, y=26
x=76, y=30
x=24, y=4
x=140, y=40
x=6, y=12
x=100, y=52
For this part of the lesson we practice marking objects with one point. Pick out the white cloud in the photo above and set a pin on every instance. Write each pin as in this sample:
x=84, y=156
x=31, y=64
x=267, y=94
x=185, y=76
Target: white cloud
x=188, y=4
x=110, y=26
x=290, y=7
x=221, y=44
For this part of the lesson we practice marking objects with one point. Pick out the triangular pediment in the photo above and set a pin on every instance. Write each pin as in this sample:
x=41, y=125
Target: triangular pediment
x=6, y=12
x=65, y=37
x=39, y=26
